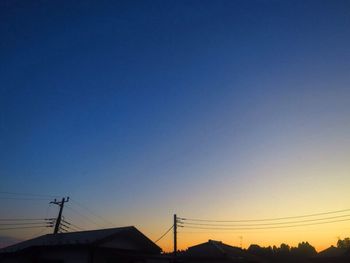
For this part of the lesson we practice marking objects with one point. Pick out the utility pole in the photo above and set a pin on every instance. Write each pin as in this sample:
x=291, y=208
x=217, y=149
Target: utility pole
x=175, y=235
x=59, y=217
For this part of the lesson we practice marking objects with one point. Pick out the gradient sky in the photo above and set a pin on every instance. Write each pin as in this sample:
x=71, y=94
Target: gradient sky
x=207, y=109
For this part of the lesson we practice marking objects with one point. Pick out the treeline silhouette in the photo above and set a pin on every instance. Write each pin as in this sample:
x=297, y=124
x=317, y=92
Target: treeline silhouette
x=286, y=253
x=283, y=252
x=303, y=252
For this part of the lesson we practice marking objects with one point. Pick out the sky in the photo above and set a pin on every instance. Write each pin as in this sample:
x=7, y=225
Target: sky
x=138, y=110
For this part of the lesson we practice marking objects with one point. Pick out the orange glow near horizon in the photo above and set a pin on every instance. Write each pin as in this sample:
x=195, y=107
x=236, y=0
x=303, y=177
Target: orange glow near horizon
x=318, y=238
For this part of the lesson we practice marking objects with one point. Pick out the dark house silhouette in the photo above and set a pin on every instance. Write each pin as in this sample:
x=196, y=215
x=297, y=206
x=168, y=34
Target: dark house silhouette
x=216, y=251
x=332, y=252
x=333, y=255
x=124, y=244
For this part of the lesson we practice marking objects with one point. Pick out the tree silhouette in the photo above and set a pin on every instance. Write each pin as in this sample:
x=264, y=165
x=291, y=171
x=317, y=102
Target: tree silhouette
x=281, y=252
x=304, y=250
x=264, y=252
x=344, y=244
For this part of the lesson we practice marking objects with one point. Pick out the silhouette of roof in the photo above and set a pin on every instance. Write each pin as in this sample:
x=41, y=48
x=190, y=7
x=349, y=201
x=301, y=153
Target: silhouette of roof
x=119, y=238
x=217, y=249
x=331, y=252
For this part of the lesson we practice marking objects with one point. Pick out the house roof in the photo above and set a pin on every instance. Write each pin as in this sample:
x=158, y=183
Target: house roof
x=91, y=237
x=217, y=249
x=332, y=251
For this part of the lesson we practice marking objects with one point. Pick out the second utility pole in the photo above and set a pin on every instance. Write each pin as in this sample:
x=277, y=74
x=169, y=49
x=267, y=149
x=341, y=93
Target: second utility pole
x=175, y=235
x=59, y=217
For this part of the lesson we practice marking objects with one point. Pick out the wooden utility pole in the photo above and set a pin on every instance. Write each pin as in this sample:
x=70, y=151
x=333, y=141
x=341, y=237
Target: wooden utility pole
x=59, y=217
x=175, y=235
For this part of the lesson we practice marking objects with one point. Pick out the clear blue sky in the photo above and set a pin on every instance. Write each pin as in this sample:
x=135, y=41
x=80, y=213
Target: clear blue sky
x=140, y=109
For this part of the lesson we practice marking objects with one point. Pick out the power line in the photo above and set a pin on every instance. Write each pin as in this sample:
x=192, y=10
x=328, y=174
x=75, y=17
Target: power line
x=21, y=224
x=44, y=229
x=64, y=225
x=25, y=219
x=164, y=234
x=264, y=219
x=47, y=198
x=76, y=229
x=84, y=216
x=28, y=194
x=11, y=228
x=63, y=228
x=260, y=228
x=38, y=233
x=92, y=212
x=266, y=224
x=72, y=225
x=24, y=199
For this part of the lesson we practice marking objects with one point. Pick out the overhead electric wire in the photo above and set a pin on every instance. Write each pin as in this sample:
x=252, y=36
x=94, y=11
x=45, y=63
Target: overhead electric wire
x=92, y=212
x=63, y=228
x=77, y=229
x=7, y=195
x=47, y=228
x=264, y=219
x=64, y=225
x=164, y=234
x=28, y=194
x=21, y=224
x=24, y=199
x=26, y=219
x=12, y=228
x=72, y=225
x=265, y=224
x=260, y=228
x=83, y=216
